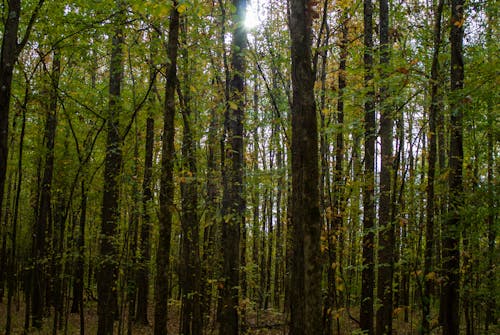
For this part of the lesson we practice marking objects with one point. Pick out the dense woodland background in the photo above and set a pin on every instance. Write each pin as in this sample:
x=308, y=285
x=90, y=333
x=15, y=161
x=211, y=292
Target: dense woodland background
x=274, y=167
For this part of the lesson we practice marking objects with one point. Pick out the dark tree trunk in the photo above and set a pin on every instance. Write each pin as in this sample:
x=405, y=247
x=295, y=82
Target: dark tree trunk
x=431, y=172
x=269, y=232
x=108, y=269
x=40, y=277
x=77, y=306
x=191, y=322
x=8, y=59
x=255, y=195
x=141, y=316
x=326, y=200
x=386, y=226
x=305, y=290
x=338, y=177
x=492, y=304
x=9, y=53
x=13, y=277
x=451, y=233
x=132, y=262
x=233, y=203
x=210, y=265
x=263, y=258
x=162, y=281
x=278, y=267
x=368, y=276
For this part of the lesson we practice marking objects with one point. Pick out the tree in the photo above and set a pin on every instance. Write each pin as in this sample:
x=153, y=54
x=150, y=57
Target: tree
x=11, y=48
x=305, y=290
x=108, y=270
x=43, y=222
x=368, y=276
x=451, y=248
x=431, y=170
x=386, y=226
x=233, y=202
x=190, y=280
x=147, y=197
x=166, y=179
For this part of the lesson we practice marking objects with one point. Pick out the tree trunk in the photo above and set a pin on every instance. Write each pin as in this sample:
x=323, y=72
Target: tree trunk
x=191, y=322
x=141, y=316
x=166, y=181
x=431, y=172
x=40, y=277
x=368, y=276
x=492, y=304
x=386, y=226
x=451, y=248
x=108, y=269
x=233, y=203
x=305, y=299
x=13, y=277
x=8, y=59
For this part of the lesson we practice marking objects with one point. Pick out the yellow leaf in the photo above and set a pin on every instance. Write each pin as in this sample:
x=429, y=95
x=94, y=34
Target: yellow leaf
x=397, y=311
x=430, y=276
x=233, y=105
x=181, y=8
x=459, y=23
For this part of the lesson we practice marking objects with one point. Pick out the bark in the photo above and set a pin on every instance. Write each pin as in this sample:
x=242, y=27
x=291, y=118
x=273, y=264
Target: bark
x=338, y=179
x=492, y=304
x=305, y=290
x=451, y=234
x=210, y=265
x=233, y=203
x=431, y=171
x=162, y=281
x=278, y=267
x=9, y=53
x=8, y=58
x=77, y=306
x=13, y=277
x=368, y=276
x=108, y=269
x=270, y=239
x=191, y=322
x=326, y=200
x=147, y=200
x=386, y=226
x=40, y=277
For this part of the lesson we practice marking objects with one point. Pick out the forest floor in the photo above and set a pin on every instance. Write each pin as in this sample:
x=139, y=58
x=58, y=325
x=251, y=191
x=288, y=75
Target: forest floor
x=268, y=322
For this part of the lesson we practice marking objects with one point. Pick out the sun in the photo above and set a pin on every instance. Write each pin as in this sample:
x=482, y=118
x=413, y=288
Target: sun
x=252, y=17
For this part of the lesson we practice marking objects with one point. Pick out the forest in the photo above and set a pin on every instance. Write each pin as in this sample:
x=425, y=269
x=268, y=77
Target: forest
x=301, y=167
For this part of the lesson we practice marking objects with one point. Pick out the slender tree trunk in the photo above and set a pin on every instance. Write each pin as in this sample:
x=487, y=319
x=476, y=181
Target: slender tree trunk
x=339, y=150
x=132, y=263
x=278, y=267
x=305, y=299
x=492, y=304
x=255, y=197
x=147, y=200
x=108, y=269
x=451, y=248
x=191, y=323
x=13, y=277
x=162, y=281
x=386, y=226
x=368, y=276
x=270, y=238
x=233, y=203
x=431, y=172
x=8, y=56
x=40, y=277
